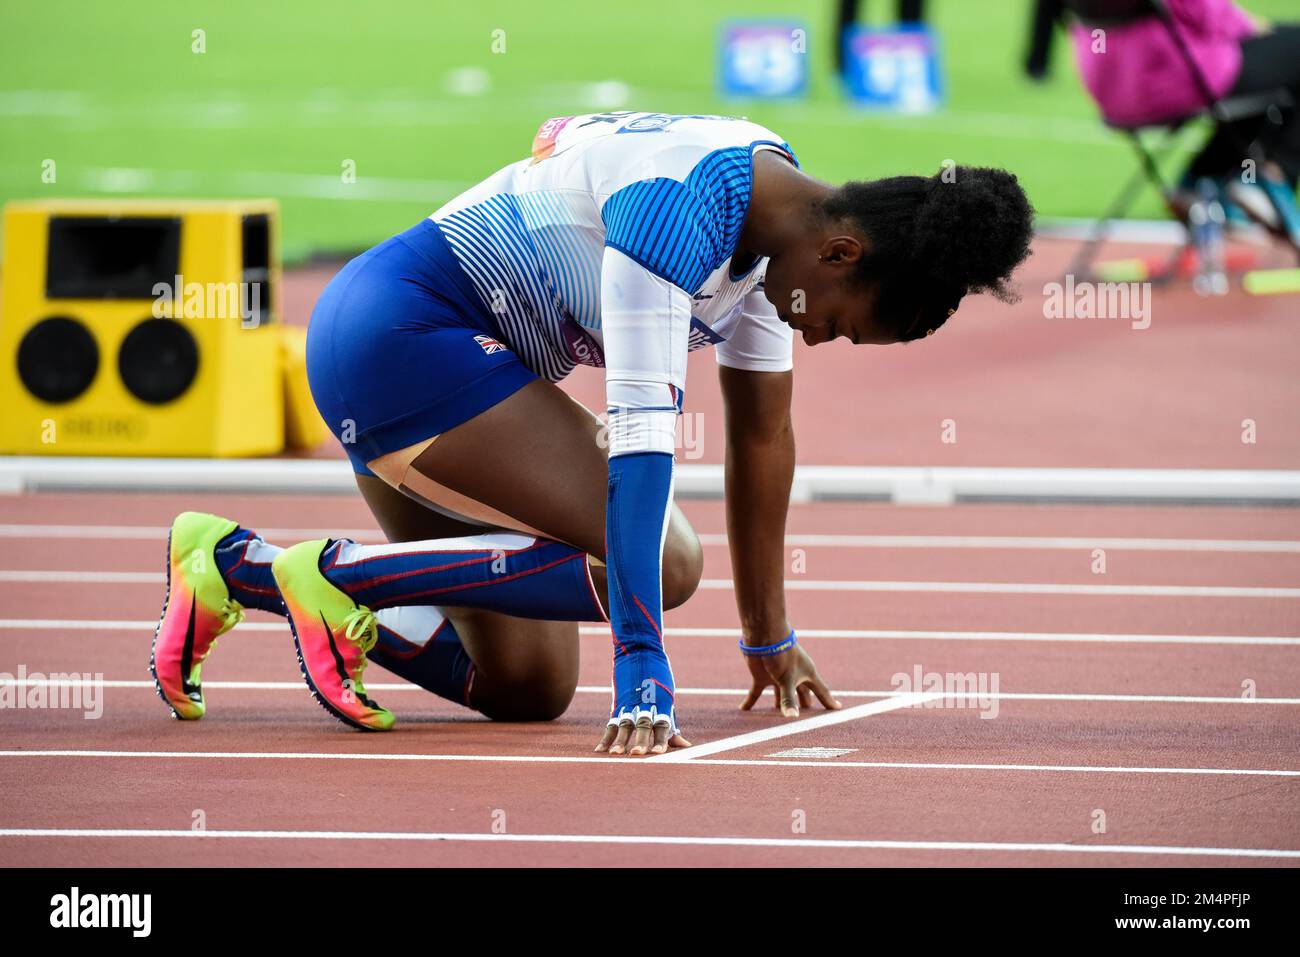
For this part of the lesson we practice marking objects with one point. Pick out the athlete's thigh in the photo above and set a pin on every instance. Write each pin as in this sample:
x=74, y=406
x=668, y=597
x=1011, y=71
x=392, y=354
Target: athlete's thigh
x=535, y=457
x=535, y=461
x=524, y=668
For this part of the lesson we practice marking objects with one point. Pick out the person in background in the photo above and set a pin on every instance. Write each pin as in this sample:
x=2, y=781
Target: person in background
x=1046, y=14
x=909, y=11
x=1139, y=76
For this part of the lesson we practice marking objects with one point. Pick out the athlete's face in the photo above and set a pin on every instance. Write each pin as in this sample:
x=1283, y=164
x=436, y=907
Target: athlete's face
x=821, y=299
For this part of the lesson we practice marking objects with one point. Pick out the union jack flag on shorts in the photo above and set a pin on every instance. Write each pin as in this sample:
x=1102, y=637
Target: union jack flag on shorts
x=489, y=344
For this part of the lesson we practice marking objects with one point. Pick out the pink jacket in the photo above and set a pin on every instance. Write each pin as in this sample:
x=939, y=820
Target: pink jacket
x=1142, y=77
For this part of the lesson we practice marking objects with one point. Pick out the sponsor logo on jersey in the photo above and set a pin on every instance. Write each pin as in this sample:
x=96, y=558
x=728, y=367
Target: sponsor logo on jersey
x=701, y=336
x=582, y=349
x=547, y=135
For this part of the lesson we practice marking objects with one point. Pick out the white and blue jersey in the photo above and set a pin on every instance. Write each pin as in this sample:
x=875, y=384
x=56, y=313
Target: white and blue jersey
x=669, y=192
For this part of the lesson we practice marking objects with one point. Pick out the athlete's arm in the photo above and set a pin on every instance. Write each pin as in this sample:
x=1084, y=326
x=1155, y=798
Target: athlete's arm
x=757, y=386
x=646, y=324
x=759, y=470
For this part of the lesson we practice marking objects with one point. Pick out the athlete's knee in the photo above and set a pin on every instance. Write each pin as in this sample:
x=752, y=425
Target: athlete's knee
x=683, y=565
x=532, y=701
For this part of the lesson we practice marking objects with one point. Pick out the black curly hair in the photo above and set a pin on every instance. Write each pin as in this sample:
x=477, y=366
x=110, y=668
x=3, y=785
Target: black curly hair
x=934, y=239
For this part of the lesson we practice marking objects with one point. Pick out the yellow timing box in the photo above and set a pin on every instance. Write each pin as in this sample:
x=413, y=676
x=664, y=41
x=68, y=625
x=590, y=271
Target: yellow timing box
x=304, y=429
x=141, y=327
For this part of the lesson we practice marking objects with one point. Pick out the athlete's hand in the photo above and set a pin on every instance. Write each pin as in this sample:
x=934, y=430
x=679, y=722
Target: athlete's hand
x=795, y=678
x=640, y=737
x=643, y=719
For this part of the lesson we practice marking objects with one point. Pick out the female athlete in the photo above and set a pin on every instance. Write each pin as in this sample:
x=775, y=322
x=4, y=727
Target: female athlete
x=625, y=241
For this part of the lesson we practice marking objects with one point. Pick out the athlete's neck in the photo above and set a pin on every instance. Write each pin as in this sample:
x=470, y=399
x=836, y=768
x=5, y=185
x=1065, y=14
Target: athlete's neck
x=782, y=207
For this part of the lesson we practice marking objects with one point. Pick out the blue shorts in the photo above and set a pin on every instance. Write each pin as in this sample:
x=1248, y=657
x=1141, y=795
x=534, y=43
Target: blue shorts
x=401, y=348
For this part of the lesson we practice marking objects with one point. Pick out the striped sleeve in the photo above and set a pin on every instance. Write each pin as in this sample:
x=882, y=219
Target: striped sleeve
x=664, y=227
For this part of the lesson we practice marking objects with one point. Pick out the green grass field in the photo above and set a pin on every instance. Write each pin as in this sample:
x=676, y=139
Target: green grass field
x=412, y=93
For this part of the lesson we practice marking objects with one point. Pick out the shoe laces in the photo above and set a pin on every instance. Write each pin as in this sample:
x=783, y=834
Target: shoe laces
x=231, y=614
x=361, y=627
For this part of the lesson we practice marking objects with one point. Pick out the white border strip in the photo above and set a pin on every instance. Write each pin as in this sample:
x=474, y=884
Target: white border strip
x=674, y=840
x=902, y=485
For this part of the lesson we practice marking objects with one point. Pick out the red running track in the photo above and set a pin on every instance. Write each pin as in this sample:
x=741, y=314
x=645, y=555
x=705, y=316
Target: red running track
x=1120, y=701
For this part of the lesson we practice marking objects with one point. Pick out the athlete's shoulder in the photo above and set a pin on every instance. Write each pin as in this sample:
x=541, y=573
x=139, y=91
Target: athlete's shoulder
x=622, y=146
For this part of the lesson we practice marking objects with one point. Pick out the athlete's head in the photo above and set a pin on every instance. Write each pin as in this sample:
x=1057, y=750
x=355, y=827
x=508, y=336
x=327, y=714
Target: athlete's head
x=890, y=259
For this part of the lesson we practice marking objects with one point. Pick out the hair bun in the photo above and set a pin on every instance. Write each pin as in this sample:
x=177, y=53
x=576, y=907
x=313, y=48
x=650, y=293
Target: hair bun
x=970, y=229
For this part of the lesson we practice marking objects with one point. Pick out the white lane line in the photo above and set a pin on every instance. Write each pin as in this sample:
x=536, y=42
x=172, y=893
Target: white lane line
x=602, y=631
x=159, y=532
x=1022, y=588
x=7, y=679
x=1032, y=542
x=933, y=635
x=113, y=624
x=726, y=584
x=674, y=840
x=784, y=730
x=82, y=578
x=998, y=696
x=590, y=759
x=1057, y=768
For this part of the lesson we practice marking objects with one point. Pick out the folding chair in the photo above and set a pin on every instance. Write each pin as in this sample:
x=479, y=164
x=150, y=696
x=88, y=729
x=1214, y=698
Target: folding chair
x=1109, y=13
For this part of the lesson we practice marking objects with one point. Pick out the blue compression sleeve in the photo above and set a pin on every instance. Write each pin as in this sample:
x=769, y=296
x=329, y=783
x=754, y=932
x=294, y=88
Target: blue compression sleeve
x=640, y=489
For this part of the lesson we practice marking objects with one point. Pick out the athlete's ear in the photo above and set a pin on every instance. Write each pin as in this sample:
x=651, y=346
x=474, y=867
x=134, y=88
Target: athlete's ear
x=841, y=250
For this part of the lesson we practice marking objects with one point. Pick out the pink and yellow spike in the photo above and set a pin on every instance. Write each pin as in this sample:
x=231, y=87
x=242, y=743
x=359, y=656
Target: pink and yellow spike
x=333, y=634
x=197, y=610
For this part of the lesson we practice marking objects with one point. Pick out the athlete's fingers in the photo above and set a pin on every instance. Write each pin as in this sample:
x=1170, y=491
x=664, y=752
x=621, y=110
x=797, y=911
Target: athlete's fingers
x=677, y=741
x=620, y=742
x=805, y=697
x=823, y=693
x=644, y=737
x=755, y=692
x=789, y=701
x=608, y=738
x=662, y=733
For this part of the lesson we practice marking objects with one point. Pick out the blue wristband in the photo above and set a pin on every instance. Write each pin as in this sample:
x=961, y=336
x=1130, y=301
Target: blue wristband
x=765, y=651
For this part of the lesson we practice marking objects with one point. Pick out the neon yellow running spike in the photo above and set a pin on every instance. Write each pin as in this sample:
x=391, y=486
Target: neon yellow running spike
x=333, y=634
x=196, y=611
